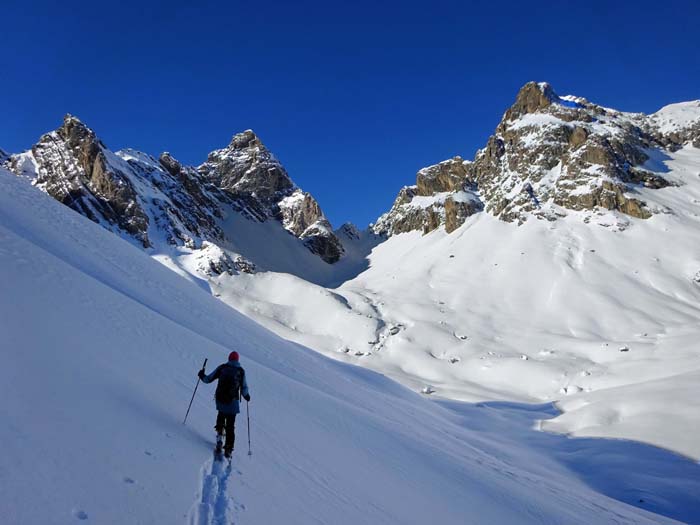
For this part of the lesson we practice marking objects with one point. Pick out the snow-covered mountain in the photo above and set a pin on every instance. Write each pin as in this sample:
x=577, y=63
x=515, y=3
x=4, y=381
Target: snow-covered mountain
x=574, y=278
x=549, y=155
x=162, y=204
x=553, y=283
x=559, y=265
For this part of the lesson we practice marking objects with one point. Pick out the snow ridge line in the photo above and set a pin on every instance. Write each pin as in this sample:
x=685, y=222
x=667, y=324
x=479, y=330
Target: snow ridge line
x=214, y=506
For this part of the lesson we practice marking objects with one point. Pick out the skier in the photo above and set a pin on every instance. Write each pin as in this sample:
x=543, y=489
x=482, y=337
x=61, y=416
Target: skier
x=232, y=385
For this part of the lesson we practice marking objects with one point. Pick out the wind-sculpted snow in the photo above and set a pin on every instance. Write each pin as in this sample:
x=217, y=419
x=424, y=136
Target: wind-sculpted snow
x=100, y=349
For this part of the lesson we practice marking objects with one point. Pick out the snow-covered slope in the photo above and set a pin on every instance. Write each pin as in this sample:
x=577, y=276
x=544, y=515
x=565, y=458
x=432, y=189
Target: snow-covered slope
x=100, y=347
x=592, y=302
x=595, y=311
x=678, y=119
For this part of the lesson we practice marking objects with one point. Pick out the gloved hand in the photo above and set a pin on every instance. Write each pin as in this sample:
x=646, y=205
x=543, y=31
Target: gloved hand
x=246, y=397
x=201, y=374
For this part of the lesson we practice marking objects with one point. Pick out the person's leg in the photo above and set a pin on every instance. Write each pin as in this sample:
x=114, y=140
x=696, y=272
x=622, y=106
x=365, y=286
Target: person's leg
x=230, y=431
x=220, y=423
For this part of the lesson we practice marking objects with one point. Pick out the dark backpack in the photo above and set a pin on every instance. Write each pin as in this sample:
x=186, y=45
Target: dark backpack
x=230, y=383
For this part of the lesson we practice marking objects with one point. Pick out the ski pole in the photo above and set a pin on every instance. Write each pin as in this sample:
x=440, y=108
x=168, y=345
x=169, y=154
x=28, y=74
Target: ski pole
x=247, y=411
x=193, y=393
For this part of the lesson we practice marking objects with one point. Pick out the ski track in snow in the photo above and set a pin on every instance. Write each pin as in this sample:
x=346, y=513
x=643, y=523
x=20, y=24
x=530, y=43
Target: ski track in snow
x=214, y=505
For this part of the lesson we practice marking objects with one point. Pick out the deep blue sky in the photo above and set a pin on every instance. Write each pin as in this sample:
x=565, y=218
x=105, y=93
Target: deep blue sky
x=353, y=97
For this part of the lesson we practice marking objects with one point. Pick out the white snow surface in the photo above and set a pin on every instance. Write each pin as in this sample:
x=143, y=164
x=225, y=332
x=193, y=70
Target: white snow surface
x=532, y=313
x=100, y=349
x=420, y=201
x=677, y=117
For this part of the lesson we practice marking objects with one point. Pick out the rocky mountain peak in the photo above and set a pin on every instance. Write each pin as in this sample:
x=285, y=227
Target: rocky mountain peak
x=72, y=165
x=532, y=97
x=349, y=231
x=247, y=169
x=150, y=200
x=251, y=175
x=246, y=139
x=550, y=155
x=73, y=130
x=170, y=163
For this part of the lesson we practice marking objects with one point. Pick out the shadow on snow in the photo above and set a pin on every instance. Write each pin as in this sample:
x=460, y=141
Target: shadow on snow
x=645, y=476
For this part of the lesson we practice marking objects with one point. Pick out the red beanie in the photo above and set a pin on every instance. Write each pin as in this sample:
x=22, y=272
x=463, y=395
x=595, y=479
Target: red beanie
x=233, y=356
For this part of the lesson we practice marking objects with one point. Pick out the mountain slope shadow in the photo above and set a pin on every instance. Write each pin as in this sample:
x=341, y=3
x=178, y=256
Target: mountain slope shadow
x=641, y=475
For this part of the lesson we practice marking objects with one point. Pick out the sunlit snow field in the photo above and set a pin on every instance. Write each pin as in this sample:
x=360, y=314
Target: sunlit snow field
x=101, y=345
x=597, y=312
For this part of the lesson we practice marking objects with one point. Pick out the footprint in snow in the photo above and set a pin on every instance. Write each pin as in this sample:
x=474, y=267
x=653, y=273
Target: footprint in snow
x=80, y=514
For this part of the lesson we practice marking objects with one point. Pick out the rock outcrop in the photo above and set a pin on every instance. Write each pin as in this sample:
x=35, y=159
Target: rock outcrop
x=566, y=152
x=548, y=156
x=73, y=166
x=182, y=206
x=251, y=175
x=444, y=194
x=247, y=168
x=150, y=201
x=302, y=216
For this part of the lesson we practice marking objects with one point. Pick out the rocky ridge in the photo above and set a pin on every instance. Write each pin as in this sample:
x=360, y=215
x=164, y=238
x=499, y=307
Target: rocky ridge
x=73, y=166
x=161, y=202
x=247, y=171
x=548, y=155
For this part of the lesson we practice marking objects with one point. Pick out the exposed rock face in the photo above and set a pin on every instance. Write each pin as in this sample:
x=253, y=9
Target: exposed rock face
x=248, y=172
x=302, y=216
x=532, y=97
x=73, y=166
x=563, y=151
x=444, y=194
x=299, y=211
x=549, y=154
x=149, y=199
x=321, y=240
x=348, y=231
x=246, y=168
x=127, y=191
x=450, y=175
x=181, y=205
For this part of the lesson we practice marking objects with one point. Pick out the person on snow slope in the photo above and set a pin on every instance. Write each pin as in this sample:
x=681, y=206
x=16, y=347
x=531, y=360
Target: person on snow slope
x=232, y=385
